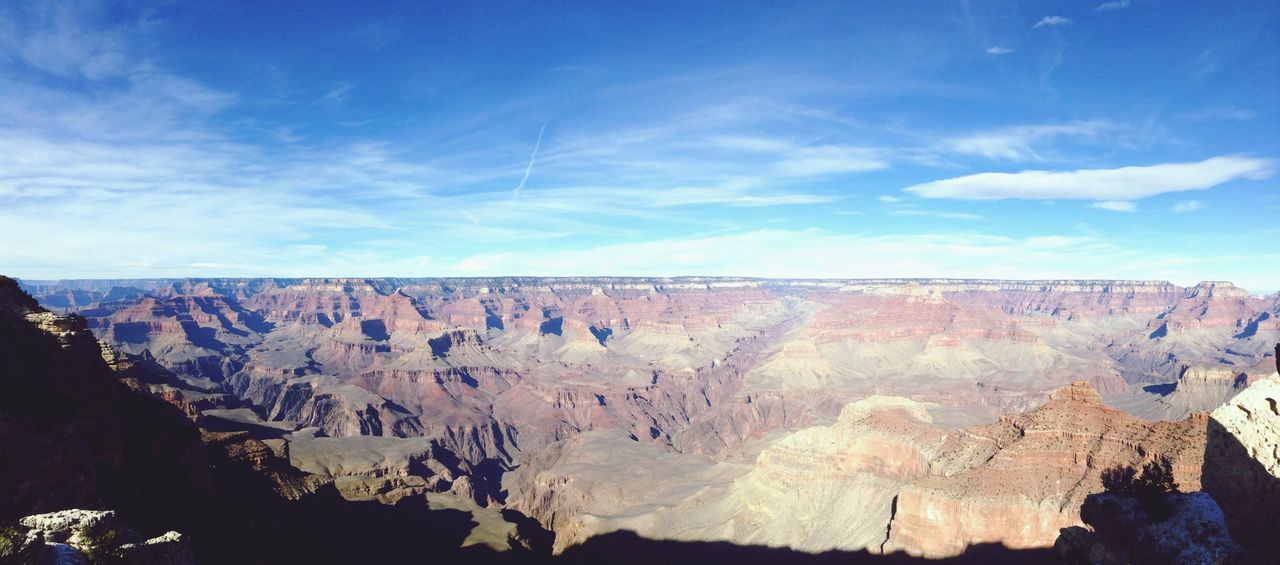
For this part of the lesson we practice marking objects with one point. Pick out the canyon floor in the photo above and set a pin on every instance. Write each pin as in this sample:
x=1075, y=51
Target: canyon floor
x=807, y=419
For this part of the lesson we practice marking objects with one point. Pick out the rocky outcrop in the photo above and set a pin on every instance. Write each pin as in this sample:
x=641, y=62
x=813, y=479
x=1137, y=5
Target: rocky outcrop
x=1242, y=463
x=1123, y=531
x=73, y=435
x=386, y=469
x=89, y=536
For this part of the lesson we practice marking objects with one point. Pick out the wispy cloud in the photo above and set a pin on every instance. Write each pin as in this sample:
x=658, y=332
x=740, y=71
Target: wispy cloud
x=1220, y=113
x=788, y=253
x=938, y=214
x=830, y=159
x=1051, y=21
x=55, y=42
x=1183, y=206
x=1116, y=206
x=822, y=254
x=1015, y=143
x=888, y=199
x=1125, y=183
x=1114, y=5
x=998, y=50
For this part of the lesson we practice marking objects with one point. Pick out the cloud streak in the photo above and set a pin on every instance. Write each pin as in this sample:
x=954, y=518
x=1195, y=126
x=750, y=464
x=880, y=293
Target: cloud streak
x=533, y=157
x=1114, y=5
x=1125, y=183
x=1184, y=206
x=1049, y=21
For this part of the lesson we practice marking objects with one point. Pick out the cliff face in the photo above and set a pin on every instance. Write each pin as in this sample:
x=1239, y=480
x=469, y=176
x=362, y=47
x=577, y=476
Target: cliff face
x=819, y=489
x=1231, y=521
x=881, y=478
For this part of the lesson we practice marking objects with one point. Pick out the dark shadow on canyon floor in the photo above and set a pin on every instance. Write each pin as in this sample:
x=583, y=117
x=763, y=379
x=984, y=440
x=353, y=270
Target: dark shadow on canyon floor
x=624, y=547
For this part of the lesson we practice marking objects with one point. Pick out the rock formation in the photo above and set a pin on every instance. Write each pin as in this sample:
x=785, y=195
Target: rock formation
x=1242, y=464
x=1020, y=480
x=882, y=478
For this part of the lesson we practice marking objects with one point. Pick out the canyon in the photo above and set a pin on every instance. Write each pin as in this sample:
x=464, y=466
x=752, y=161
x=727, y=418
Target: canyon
x=912, y=417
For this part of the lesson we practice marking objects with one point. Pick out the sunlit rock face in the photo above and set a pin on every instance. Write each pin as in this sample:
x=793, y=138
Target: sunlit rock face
x=881, y=478
x=818, y=489
x=1019, y=480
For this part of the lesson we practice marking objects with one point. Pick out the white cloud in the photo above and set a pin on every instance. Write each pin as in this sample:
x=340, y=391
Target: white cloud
x=1051, y=21
x=888, y=199
x=1125, y=183
x=1114, y=5
x=1015, y=143
x=998, y=50
x=1115, y=206
x=1182, y=206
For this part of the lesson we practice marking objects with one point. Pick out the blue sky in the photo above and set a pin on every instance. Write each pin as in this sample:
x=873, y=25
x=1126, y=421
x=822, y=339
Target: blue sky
x=1125, y=139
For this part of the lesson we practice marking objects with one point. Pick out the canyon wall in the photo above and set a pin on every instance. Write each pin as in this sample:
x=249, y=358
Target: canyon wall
x=882, y=402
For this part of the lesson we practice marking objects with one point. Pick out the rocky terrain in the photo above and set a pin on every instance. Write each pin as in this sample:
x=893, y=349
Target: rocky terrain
x=1242, y=463
x=881, y=479
x=908, y=417
x=492, y=367
x=1230, y=521
x=82, y=536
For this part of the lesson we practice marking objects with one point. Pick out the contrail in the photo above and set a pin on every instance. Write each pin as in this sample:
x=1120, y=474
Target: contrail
x=533, y=157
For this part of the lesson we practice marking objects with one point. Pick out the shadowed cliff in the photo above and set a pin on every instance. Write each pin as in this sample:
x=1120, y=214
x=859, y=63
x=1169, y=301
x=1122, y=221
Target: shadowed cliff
x=74, y=436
